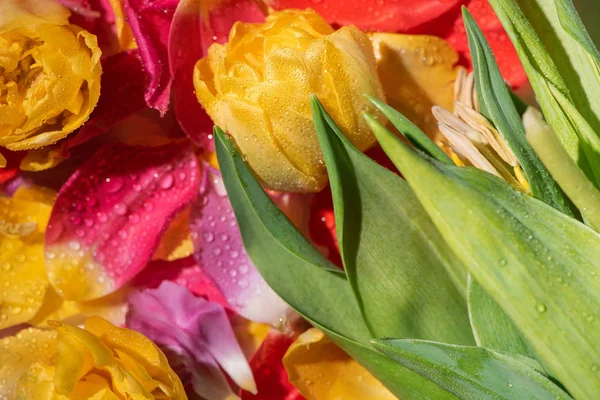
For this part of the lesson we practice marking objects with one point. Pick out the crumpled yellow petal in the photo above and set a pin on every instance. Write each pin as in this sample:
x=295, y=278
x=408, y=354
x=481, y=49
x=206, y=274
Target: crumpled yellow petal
x=322, y=371
x=41, y=159
x=416, y=72
x=23, y=280
x=3, y=161
x=19, y=352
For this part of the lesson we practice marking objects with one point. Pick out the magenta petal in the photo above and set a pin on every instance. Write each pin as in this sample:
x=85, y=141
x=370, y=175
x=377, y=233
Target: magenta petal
x=219, y=251
x=194, y=29
x=150, y=23
x=122, y=95
x=110, y=214
x=198, y=331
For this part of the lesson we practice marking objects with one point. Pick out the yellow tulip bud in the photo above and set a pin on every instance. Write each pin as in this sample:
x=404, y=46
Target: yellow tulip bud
x=49, y=74
x=257, y=88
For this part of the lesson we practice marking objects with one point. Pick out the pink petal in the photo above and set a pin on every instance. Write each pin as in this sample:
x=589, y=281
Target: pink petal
x=193, y=30
x=220, y=252
x=198, y=331
x=150, y=23
x=110, y=214
x=184, y=272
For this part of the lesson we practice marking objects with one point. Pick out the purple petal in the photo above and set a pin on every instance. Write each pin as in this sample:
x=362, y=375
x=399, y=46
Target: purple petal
x=198, y=331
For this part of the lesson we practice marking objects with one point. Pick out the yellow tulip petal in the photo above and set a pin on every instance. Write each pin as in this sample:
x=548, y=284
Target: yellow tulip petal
x=416, y=72
x=3, y=161
x=124, y=33
x=249, y=334
x=257, y=88
x=23, y=280
x=37, y=383
x=55, y=308
x=322, y=371
x=41, y=159
x=19, y=352
x=141, y=349
x=38, y=194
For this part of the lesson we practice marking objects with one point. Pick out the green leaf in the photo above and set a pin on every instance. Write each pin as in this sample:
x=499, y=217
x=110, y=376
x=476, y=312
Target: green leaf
x=286, y=260
x=562, y=65
x=394, y=258
x=304, y=279
x=472, y=372
x=539, y=265
x=496, y=103
x=491, y=327
x=412, y=132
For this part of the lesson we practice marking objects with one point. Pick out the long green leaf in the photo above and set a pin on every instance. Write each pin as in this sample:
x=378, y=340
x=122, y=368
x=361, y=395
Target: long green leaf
x=491, y=327
x=394, y=258
x=304, y=279
x=472, y=372
x=540, y=266
x=288, y=262
x=496, y=103
x=561, y=66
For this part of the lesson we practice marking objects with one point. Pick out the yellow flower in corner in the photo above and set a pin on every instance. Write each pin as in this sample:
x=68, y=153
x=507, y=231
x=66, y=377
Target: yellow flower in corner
x=100, y=361
x=257, y=87
x=49, y=74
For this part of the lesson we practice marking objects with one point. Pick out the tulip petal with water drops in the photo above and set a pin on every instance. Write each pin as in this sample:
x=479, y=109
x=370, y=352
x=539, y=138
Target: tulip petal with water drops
x=109, y=216
x=198, y=331
x=220, y=253
x=23, y=281
x=19, y=352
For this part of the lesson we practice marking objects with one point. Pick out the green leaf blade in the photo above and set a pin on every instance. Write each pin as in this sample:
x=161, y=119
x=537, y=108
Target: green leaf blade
x=472, y=372
x=393, y=256
x=539, y=266
x=497, y=104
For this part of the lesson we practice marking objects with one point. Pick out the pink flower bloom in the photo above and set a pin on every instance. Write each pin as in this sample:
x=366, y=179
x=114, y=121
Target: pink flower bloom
x=196, y=334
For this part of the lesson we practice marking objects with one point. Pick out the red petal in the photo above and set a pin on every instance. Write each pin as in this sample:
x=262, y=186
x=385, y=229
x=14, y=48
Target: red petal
x=378, y=15
x=150, y=22
x=192, y=32
x=109, y=216
x=122, y=94
x=270, y=375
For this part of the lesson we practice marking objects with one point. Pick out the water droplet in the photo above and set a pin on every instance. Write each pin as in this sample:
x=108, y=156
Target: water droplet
x=102, y=217
x=242, y=283
x=20, y=257
x=15, y=310
x=120, y=209
x=233, y=273
x=540, y=308
x=91, y=201
x=224, y=237
x=50, y=255
x=594, y=367
x=209, y=237
x=74, y=245
x=166, y=182
x=88, y=222
x=243, y=269
x=134, y=218
x=113, y=185
x=148, y=206
x=510, y=385
x=234, y=254
x=6, y=266
x=217, y=251
x=503, y=262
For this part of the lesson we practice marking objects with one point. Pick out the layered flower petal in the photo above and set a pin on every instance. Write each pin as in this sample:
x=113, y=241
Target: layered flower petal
x=257, y=88
x=101, y=361
x=23, y=282
x=382, y=15
x=198, y=331
x=19, y=352
x=220, y=252
x=50, y=80
x=271, y=377
x=322, y=371
x=110, y=214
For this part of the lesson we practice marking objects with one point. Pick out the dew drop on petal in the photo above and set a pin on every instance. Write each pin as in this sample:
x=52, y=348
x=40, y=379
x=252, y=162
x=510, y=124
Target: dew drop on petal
x=166, y=182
